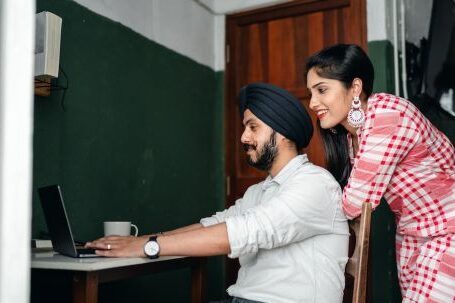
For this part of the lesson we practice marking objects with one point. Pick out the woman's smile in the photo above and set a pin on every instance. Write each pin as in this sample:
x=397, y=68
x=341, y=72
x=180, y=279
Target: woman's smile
x=322, y=113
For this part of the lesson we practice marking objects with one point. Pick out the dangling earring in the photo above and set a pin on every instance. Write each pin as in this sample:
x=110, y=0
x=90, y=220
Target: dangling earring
x=356, y=115
x=333, y=131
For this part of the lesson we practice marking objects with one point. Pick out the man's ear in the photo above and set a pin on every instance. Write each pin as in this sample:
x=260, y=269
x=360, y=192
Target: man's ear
x=279, y=137
x=292, y=145
x=288, y=142
x=285, y=141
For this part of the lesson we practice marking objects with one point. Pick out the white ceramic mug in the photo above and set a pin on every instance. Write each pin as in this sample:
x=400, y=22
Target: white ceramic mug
x=119, y=228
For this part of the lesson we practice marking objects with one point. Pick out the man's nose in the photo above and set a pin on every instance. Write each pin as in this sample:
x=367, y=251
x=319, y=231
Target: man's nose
x=245, y=137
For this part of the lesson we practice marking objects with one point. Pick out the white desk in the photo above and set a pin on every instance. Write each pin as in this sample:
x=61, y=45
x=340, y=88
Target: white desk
x=88, y=273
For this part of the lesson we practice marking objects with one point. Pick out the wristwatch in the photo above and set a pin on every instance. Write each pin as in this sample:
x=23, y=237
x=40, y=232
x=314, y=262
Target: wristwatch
x=152, y=248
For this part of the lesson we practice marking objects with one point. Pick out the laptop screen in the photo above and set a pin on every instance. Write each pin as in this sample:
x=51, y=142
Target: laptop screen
x=57, y=220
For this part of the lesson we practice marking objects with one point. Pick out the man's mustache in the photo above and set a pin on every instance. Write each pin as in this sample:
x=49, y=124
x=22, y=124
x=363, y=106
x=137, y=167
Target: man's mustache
x=247, y=147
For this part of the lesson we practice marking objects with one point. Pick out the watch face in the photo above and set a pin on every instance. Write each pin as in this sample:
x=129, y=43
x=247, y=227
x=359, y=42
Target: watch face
x=151, y=248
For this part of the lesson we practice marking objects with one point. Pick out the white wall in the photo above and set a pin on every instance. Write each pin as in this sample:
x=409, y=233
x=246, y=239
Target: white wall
x=377, y=21
x=182, y=25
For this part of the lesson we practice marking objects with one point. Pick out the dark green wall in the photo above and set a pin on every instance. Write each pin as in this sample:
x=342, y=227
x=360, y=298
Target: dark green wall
x=383, y=271
x=137, y=136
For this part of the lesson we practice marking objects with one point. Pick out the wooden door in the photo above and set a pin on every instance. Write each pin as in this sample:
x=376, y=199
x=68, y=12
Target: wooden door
x=271, y=45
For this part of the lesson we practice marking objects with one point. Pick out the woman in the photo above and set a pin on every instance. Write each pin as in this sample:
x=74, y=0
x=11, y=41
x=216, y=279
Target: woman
x=380, y=145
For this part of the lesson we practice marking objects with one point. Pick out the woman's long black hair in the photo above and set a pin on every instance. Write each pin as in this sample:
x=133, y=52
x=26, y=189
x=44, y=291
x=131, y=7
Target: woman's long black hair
x=342, y=62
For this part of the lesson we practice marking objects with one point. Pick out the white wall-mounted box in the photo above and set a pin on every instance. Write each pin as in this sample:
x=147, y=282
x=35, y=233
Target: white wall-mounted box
x=47, y=44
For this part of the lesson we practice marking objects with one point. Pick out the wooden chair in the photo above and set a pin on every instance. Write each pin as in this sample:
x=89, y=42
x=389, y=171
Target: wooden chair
x=357, y=266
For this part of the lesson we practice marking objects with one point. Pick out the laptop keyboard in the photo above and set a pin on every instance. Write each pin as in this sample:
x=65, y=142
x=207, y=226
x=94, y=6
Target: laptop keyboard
x=85, y=251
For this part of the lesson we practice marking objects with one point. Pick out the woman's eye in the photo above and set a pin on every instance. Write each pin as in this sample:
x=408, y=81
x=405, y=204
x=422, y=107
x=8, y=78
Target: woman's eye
x=321, y=90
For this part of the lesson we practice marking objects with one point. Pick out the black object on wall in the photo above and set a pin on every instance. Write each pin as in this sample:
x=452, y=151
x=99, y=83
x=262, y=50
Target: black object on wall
x=441, y=46
x=432, y=68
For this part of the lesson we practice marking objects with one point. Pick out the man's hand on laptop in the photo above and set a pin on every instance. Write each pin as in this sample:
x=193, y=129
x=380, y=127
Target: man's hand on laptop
x=116, y=246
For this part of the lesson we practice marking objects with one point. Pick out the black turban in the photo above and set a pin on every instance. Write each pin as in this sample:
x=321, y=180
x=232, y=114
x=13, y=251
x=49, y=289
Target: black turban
x=278, y=109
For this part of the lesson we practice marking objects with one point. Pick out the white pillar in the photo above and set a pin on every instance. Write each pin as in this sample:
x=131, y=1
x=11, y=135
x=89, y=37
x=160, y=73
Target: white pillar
x=17, y=32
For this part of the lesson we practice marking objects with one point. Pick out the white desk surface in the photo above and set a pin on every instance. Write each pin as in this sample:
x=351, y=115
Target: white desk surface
x=51, y=260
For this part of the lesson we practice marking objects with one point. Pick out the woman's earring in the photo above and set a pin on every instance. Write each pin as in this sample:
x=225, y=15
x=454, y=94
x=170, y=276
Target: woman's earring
x=356, y=115
x=333, y=131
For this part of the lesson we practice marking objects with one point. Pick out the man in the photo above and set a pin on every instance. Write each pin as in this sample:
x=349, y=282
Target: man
x=289, y=232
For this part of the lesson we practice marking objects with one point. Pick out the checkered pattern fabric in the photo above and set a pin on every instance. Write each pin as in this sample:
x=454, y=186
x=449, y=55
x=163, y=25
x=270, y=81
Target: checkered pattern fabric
x=405, y=159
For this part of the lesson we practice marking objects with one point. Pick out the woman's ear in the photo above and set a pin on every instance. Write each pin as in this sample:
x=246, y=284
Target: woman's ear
x=357, y=86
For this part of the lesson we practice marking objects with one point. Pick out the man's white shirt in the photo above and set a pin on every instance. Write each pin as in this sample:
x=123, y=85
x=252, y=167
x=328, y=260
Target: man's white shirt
x=290, y=235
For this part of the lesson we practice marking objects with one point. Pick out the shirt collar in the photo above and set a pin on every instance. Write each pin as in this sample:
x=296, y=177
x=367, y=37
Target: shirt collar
x=286, y=171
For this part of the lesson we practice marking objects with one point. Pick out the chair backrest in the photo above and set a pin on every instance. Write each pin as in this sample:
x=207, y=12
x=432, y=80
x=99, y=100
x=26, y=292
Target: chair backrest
x=357, y=265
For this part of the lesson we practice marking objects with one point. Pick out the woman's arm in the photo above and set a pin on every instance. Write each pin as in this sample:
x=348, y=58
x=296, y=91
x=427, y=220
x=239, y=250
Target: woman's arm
x=387, y=138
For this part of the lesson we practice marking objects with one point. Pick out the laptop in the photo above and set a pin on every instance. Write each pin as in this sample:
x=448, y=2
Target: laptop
x=58, y=225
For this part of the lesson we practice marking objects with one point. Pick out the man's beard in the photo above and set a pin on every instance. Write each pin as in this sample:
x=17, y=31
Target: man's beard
x=266, y=156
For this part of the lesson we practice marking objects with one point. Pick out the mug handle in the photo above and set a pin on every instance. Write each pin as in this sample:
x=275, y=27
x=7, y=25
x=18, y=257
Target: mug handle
x=136, y=230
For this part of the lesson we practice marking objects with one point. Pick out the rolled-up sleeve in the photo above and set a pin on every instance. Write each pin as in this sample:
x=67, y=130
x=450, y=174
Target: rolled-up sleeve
x=302, y=208
x=235, y=210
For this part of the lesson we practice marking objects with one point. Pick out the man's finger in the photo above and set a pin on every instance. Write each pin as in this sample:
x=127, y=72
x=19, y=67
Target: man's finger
x=104, y=253
x=97, y=244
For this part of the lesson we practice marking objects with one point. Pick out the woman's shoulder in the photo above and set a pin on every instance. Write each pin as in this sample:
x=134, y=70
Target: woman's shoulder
x=387, y=109
x=387, y=100
x=384, y=102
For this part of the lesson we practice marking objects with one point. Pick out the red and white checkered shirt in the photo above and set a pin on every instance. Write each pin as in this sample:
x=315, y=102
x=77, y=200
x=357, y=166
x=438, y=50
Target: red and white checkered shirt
x=405, y=159
x=408, y=161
